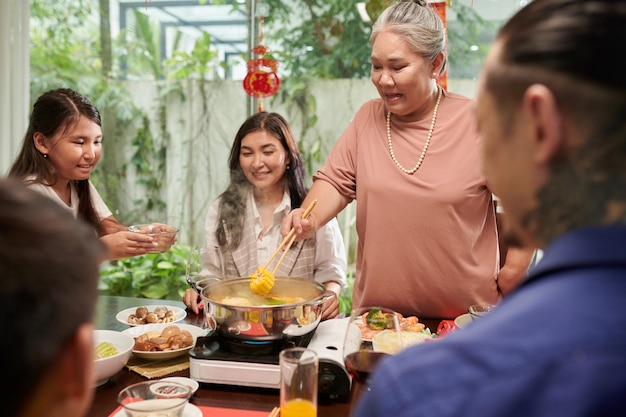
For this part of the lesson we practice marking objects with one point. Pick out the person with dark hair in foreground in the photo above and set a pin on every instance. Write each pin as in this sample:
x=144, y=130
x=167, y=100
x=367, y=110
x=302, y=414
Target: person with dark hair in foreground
x=552, y=120
x=49, y=263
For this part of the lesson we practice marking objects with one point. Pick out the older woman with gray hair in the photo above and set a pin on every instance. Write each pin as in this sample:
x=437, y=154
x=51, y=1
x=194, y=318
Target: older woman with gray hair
x=426, y=221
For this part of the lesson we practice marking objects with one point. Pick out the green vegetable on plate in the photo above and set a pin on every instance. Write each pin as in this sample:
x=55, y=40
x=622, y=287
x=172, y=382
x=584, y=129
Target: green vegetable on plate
x=376, y=320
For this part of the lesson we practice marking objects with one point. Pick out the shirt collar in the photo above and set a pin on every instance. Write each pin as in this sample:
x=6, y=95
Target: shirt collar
x=284, y=206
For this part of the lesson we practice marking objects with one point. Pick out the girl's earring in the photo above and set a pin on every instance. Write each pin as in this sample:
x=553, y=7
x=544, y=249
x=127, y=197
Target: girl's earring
x=45, y=155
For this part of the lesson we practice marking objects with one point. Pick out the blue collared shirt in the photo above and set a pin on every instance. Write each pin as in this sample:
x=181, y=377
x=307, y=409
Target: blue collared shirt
x=554, y=347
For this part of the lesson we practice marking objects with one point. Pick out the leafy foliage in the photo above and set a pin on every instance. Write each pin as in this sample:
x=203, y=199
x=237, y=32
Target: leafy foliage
x=345, y=296
x=469, y=38
x=155, y=275
x=63, y=46
x=149, y=162
x=324, y=39
x=141, y=54
x=202, y=62
x=327, y=39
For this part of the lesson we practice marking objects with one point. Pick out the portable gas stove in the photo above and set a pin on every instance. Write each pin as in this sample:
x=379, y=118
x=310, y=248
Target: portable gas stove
x=217, y=359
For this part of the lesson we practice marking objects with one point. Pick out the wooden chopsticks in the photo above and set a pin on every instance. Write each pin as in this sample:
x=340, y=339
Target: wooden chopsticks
x=293, y=237
x=275, y=412
x=288, y=240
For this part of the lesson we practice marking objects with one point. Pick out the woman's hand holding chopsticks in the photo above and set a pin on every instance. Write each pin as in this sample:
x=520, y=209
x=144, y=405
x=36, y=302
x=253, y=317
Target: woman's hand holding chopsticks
x=298, y=224
x=262, y=280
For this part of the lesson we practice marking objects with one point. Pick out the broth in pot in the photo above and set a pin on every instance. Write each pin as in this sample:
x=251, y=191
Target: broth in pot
x=292, y=308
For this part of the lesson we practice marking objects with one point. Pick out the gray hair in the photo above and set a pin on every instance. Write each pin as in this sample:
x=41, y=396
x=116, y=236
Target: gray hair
x=418, y=23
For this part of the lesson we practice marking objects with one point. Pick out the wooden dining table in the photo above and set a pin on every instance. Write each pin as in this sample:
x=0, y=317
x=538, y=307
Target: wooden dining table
x=210, y=395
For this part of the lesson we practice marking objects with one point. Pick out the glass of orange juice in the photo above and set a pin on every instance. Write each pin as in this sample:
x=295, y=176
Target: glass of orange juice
x=298, y=382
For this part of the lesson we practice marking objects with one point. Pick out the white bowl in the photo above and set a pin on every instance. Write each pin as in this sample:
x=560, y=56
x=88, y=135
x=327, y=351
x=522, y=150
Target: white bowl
x=179, y=313
x=136, y=331
x=105, y=368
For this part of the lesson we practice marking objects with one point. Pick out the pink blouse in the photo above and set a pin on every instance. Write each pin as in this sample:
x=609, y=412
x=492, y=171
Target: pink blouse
x=427, y=242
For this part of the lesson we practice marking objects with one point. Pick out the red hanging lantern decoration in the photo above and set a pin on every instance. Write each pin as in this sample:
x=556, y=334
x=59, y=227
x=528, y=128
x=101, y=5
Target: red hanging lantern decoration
x=261, y=80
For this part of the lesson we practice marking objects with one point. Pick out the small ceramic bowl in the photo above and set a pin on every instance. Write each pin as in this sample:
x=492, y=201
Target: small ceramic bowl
x=184, y=381
x=462, y=320
x=154, y=398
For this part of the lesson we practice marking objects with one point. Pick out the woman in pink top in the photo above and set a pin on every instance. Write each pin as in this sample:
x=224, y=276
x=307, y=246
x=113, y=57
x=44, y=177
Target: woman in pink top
x=426, y=220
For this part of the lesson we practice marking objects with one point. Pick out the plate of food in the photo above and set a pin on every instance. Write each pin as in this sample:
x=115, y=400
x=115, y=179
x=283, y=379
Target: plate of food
x=136, y=316
x=372, y=324
x=161, y=341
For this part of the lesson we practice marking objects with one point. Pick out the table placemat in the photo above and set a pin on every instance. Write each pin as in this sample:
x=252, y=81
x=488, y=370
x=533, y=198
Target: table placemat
x=158, y=369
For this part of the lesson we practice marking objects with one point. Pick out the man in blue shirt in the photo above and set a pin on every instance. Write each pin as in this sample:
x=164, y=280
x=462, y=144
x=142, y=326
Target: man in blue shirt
x=551, y=112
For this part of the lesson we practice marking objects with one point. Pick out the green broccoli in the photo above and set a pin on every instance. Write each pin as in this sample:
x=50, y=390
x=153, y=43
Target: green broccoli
x=376, y=319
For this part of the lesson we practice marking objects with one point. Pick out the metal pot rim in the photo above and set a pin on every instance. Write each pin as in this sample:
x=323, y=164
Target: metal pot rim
x=235, y=281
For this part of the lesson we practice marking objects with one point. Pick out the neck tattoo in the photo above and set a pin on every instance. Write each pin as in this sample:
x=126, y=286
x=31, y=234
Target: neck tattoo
x=430, y=135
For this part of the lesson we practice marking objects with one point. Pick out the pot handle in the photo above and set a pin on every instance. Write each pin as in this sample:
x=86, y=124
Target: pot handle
x=327, y=295
x=321, y=299
x=200, y=285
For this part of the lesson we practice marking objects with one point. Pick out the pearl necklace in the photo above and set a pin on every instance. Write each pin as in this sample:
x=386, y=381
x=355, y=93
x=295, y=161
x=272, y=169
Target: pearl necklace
x=430, y=135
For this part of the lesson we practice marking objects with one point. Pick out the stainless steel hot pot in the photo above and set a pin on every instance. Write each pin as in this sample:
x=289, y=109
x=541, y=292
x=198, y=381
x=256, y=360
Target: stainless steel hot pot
x=264, y=318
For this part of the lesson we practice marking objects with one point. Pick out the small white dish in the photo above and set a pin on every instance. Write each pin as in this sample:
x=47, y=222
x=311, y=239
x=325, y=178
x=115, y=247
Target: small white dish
x=190, y=410
x=158, y=327
x=463, y=320
x=179, y=314
x=184, y=381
